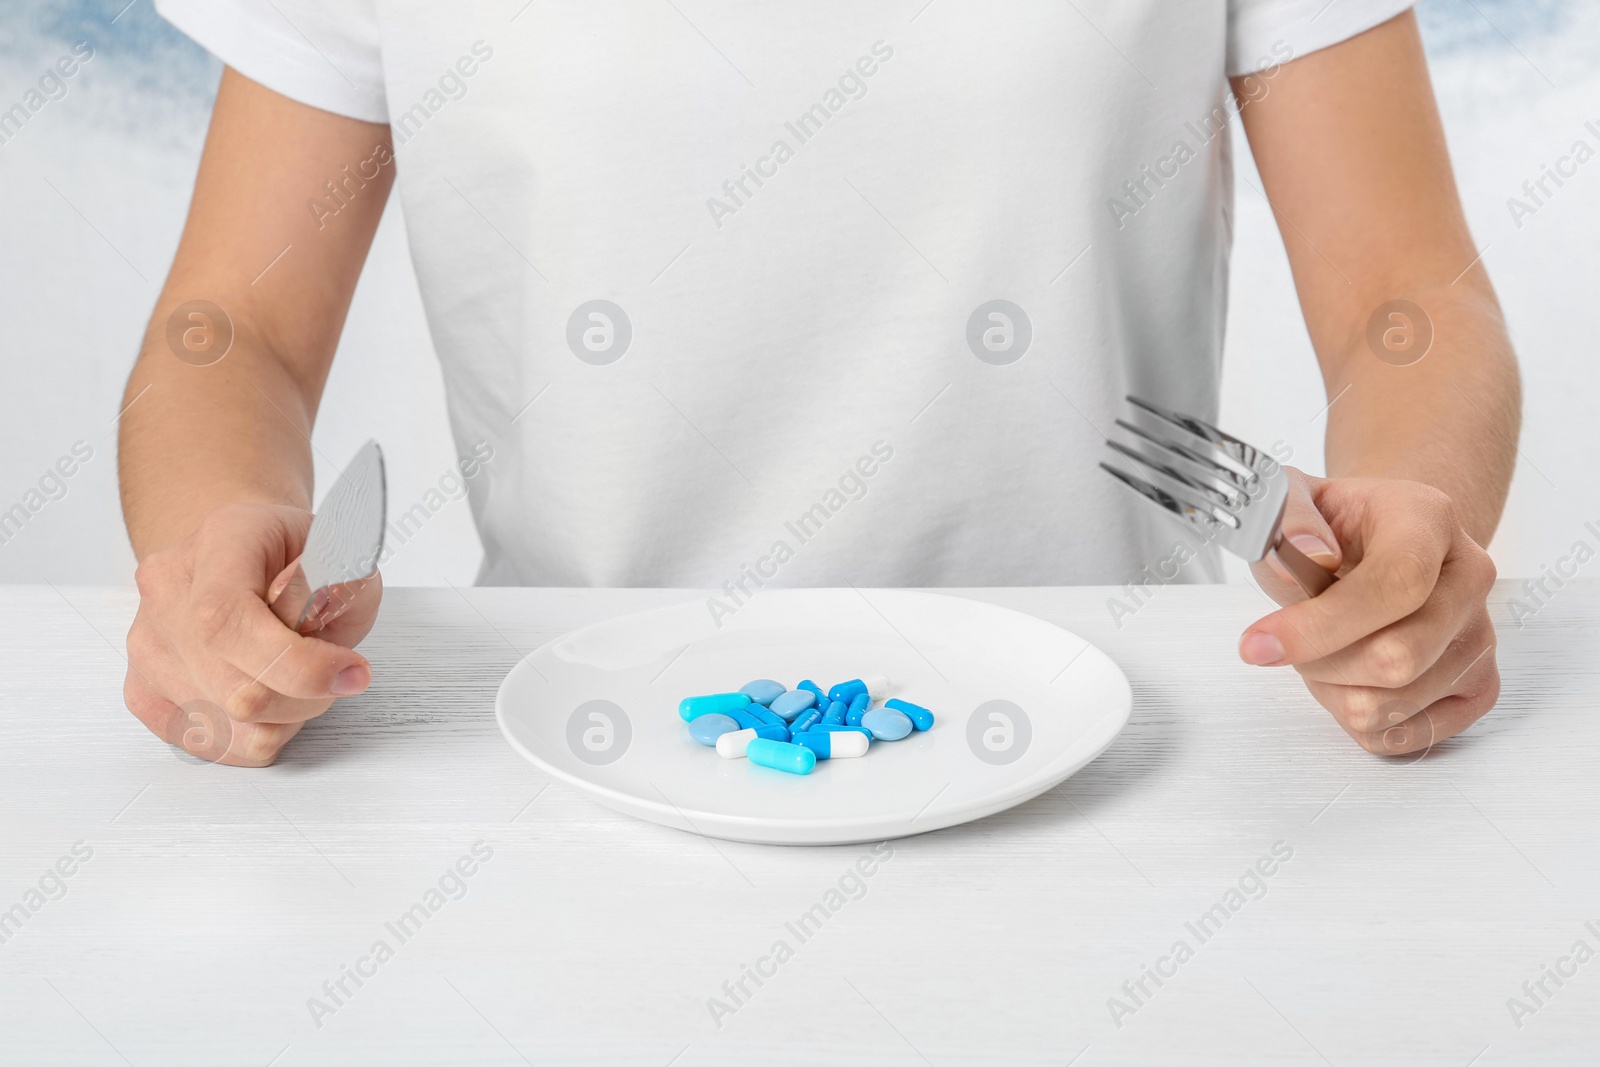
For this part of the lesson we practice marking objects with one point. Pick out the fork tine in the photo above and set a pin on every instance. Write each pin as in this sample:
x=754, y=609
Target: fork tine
x=1175, y=495
x=1179, y=509
x=1205, y=442
x=1179, y=462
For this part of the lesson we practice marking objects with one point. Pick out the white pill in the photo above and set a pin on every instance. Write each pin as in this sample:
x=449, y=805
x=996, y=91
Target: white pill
x=732, y=745
x=877, y=685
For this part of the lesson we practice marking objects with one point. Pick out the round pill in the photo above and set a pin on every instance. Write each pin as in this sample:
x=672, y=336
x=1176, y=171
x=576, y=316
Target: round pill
x=762, y=691
x=707, y=728
x=886, y=724
x=793, y=703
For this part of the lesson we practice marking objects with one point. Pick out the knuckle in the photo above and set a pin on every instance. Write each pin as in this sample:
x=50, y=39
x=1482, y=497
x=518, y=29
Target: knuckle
x=1392, y=661
x=1484, y=692
x=258, y=747
x=1361, y=708
x=135, y=696
x=148, y=707
x=1484, y=571
x=1435, y=505
x=157, y=575
x=249, y=702
x=142, y=643
x=146, y=575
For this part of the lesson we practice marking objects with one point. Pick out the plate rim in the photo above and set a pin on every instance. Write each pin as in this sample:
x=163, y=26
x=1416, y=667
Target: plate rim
x=1104, y=729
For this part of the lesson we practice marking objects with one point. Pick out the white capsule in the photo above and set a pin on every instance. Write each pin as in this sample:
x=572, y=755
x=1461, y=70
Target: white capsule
x=731, y=745
x=847, y=744
x=877, y=685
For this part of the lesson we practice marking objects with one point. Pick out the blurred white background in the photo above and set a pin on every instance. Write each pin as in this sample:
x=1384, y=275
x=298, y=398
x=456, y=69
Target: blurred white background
x=94, y=188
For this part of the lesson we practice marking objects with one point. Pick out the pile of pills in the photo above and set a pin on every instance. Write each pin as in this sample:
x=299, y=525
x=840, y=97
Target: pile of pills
x=790, y=729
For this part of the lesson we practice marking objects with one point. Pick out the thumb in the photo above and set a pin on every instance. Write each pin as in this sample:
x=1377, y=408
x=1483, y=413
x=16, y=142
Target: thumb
x=1304, y=527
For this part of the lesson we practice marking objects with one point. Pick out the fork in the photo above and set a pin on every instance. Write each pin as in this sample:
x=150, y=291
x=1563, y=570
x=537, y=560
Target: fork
x=1232, y=492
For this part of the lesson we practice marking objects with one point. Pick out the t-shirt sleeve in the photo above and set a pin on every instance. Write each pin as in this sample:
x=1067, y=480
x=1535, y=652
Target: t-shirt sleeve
x=1264, y=32
x=324, y=53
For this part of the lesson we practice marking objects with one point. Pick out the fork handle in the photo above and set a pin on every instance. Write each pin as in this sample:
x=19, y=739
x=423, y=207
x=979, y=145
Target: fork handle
x=1307, y=573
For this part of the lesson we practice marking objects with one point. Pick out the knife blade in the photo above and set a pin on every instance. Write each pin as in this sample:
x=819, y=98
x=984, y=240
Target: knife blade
x=342, y=546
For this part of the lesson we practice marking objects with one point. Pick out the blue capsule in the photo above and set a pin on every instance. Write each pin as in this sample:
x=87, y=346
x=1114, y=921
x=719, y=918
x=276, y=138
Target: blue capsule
x=707, y=728
x=920, y=717
x=795, y=759
x=793, y=703
x=691, y=708
x=789, y=730
x=846, y=691
x=887, y=724
x=834, y=744
x=762, y=691
x=768, y=717
x=805, y=721
x=873, y=685
x=743, y=717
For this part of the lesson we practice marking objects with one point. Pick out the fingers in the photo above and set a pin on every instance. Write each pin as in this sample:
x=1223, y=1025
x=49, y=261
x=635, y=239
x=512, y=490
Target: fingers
x=257, y=744
x=159, y=715
x=1447, y=698
x=1401, y=653
x=1304, y=526
x=211, y=668
x=256, y=700
x=1403, y=546
x=201, y=727
x=1369, y=716
x=235, y=626
x=233, y=622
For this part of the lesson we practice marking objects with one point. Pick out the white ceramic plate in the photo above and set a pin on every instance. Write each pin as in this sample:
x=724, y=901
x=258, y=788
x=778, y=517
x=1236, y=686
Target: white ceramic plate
x=1020, y=705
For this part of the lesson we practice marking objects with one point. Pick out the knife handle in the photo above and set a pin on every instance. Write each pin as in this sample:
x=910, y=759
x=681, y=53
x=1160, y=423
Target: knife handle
x=1311, y=576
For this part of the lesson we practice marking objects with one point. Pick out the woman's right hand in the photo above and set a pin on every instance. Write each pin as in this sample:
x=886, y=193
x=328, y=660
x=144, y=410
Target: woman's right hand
x=211, y=669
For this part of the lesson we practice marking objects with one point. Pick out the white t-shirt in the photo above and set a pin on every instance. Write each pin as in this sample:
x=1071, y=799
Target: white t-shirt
x=802, y=293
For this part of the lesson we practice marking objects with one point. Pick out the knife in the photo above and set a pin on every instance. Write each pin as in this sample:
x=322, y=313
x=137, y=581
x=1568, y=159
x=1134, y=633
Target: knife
x=342, y=546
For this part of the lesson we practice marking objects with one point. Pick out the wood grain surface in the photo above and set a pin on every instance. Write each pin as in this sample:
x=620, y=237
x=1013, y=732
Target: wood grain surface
x=218, y=908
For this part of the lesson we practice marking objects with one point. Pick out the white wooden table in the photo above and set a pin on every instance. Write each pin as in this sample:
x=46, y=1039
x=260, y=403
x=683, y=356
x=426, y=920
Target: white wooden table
x=216, y=903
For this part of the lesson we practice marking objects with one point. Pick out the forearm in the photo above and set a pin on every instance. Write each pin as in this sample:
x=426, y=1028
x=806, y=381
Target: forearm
x=296, y=190
x=1352, y=153
x=193, y=438
x=1450, y=419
